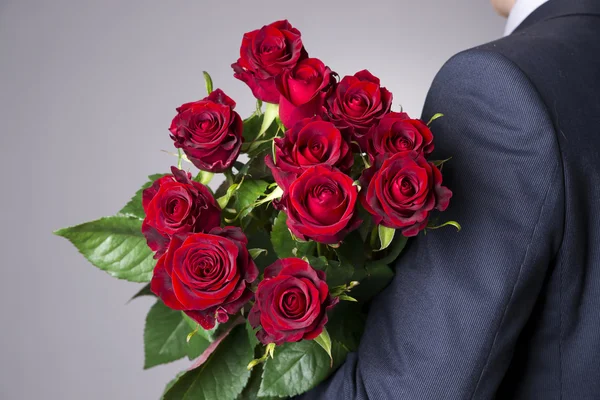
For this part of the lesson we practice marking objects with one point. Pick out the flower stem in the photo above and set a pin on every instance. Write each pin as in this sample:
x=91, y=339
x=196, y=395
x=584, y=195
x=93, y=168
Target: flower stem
x=373, y=240
x=229, y=176
x=321, y=249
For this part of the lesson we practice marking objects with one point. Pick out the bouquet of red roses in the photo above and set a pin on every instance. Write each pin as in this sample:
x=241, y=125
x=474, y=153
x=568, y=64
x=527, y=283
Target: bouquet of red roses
x=264, y=282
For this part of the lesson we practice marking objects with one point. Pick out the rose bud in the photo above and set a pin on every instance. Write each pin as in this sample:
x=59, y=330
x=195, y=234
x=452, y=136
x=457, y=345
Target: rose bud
x=310, y=142
x=175, y=204
x=206, y=275
x=303, y=90
x=291, y=302
x=320, y=205
x=401, y=191
x=209, y=132
x=358, y=103
x=397, y=133
x=264, y=54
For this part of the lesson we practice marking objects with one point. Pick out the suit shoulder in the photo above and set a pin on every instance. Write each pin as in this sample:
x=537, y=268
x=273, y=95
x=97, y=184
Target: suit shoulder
x=483, y=67
x=481, y=90
x=486, y=75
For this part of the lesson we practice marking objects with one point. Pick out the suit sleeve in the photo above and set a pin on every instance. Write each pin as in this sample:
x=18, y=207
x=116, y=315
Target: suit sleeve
x=447, y=325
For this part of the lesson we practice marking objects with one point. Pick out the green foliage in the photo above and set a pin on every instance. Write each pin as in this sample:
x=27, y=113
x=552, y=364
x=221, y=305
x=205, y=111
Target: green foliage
x=165, y=336
x=436, y=116
x=171, y=383
x=247, y=194
x=144, y=291
x=346, y=325
x=339, y=352
x=250, y=392
x=336, y=272
x=373, y=278
x=258, y=132
x=386, y=235
x=134, y=206
x=208, y=81
x=204, y=177
x=223, y=376
x=324, y=341
x=296, y=368
x=259, y=238
x=352, y=250
x=255, y=253
x=209, y=335
x=284, y=244
x=115, y=245
x=393, y=251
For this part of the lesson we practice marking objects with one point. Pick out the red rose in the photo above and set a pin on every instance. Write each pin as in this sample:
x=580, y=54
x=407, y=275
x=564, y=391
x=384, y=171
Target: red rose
x=402, y=191
x=175, y=204
x=206, y=275
x=310, y=142
x=209, y=132
x=291, y=302
x=320, y=205
x=264, y=54
x=303, y=90
x=358, y=103
x=397, y=133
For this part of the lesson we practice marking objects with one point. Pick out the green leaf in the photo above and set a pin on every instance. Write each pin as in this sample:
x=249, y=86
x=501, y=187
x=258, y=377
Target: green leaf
x=209, y=335
x=448, y=223
x=115, y=245
x=208, y=81
x=251, y=128
x=339, y=353
x=324, y=341
x=223, y=376
x=345, y=297
x=271, y=112
x=253, y=147
x=373, y=279
x=144, y=291
x=196, y=346
x=284, y=244
x=336, y=272
x=436, y=116
x=171, y=383
x=247, y=195
x=296, y=368
x=204, y=177
x=251, y=390
x=255, y=253
x=275, y=194
x=352, y=249
x=165, y=336
x=224, y=200
x=386, y=235
x=257, y=168
x=439, y=163
x=367, y=225
x=346, y=324
x=134, y=206
x=390, y=255
x=252, y=339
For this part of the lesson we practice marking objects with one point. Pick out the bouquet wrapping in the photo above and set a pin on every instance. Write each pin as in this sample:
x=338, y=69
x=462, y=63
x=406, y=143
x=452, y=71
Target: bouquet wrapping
x=264, y=281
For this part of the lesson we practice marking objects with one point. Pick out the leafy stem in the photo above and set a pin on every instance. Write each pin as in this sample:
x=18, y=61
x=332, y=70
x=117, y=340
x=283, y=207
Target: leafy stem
x=229, y=176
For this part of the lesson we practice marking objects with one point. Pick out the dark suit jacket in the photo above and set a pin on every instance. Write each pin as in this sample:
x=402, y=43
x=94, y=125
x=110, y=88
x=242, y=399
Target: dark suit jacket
x=508, y=308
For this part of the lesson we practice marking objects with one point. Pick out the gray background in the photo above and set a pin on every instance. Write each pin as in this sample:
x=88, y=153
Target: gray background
x=87, y=91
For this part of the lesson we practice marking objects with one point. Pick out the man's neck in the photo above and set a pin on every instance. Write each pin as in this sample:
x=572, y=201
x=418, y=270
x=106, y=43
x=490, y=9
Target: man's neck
x=521, y=10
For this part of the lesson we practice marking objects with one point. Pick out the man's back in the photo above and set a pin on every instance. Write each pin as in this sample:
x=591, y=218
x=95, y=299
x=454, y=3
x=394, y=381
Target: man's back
x=508, y=308
x=557, y=354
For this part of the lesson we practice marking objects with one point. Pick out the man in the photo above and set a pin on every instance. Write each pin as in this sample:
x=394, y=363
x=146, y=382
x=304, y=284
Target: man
x=508, y=308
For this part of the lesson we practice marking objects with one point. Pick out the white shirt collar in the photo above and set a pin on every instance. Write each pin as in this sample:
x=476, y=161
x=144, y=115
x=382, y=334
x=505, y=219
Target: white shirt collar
x=521, y=10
